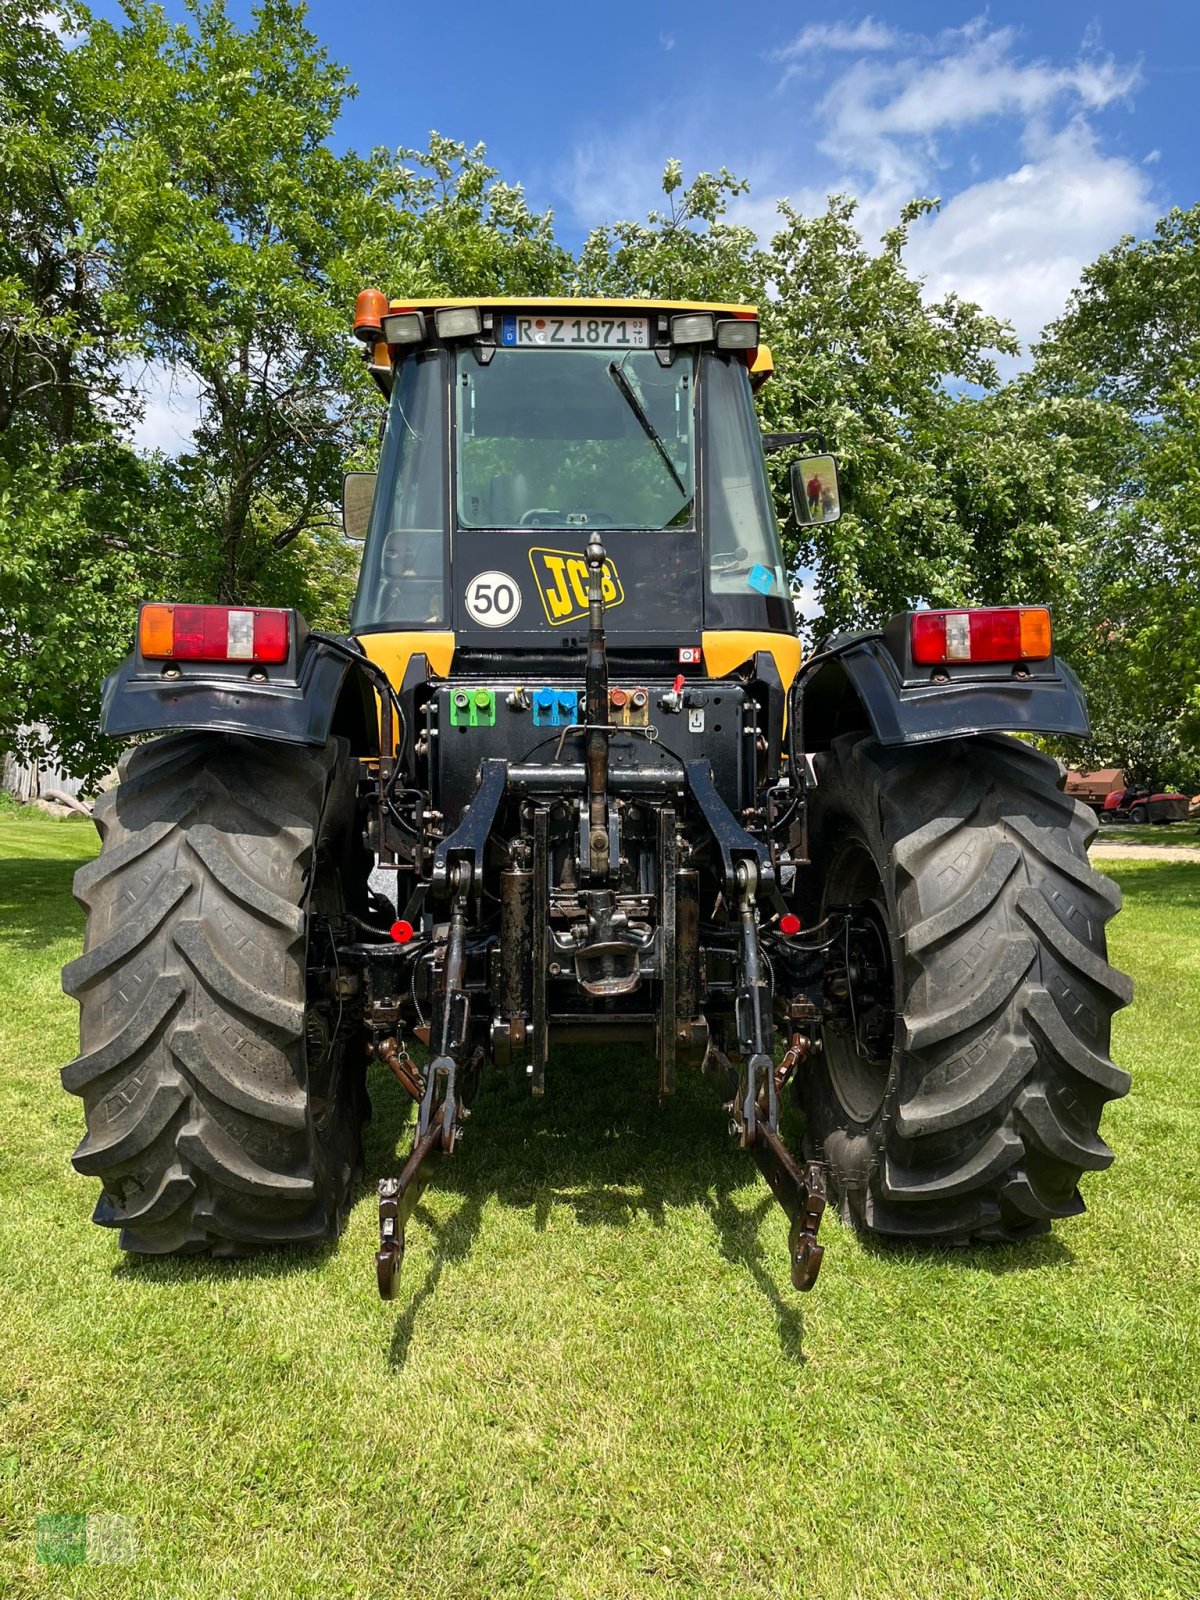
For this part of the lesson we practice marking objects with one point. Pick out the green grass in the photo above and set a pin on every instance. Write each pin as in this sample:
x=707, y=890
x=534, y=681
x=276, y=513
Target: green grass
x=597, y=1381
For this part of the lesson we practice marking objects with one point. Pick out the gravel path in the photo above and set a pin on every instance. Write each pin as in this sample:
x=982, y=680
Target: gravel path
x=1144, y=852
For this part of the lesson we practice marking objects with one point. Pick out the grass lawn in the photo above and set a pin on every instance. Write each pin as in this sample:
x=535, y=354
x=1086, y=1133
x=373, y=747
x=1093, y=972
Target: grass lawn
x=598, y=1381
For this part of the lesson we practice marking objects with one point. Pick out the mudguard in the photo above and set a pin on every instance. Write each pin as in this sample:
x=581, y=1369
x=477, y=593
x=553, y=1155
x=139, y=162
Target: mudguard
x=316, y=692
x=869, y=680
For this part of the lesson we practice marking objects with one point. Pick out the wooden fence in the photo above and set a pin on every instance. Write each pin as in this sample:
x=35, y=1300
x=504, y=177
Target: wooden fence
x=35, y=780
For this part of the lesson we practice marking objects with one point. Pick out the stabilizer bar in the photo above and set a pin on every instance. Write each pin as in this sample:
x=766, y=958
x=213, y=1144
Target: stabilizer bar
x=802, y=1194
x=442, y=1110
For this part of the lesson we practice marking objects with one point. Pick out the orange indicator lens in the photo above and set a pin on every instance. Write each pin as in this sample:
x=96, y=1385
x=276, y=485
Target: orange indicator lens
x=156, y=632
x=1036, y=642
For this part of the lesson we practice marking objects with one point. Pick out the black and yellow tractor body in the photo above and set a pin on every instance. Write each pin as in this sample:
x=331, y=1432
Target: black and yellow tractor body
x=567, y=779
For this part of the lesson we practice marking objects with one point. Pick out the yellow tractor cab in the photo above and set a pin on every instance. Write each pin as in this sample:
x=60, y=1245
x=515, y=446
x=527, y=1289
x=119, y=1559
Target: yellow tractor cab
x=515, y=429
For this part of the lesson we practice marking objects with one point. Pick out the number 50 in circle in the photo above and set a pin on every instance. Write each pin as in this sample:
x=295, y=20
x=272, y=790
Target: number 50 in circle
x=493, y=599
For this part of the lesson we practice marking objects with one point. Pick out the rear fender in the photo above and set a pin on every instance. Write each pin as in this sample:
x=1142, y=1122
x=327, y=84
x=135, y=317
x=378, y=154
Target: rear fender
x=869, y=685
x=315, y=694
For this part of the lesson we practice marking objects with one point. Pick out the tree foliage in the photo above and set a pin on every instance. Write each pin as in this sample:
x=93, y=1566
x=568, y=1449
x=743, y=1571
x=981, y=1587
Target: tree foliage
x=60, y=352
x=224, y=211
x=1124, y=362
x=79, y=530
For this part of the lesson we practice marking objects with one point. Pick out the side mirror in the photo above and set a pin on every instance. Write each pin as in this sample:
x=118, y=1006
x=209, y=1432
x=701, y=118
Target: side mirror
x=815, y=495
x=358, y=491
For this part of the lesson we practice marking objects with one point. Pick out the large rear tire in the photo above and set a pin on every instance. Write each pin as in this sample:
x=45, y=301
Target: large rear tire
x=223, y=1093
x=959, y=1091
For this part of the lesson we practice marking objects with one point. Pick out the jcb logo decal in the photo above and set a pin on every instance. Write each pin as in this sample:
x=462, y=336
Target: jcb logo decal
x=562, y=581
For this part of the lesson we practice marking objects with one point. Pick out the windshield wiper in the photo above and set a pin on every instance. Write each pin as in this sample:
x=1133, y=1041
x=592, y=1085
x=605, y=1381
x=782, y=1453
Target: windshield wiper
x=616, y=373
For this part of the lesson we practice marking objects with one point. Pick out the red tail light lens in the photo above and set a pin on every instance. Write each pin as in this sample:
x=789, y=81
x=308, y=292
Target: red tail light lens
x=213, y=633
x=997, y=633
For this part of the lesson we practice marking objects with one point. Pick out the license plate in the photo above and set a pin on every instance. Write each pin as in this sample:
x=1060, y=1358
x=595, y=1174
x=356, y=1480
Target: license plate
x=566, y=332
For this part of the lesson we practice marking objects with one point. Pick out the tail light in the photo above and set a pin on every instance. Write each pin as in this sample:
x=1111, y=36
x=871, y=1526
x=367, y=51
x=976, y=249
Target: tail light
x=213, y=633
x=996, y=633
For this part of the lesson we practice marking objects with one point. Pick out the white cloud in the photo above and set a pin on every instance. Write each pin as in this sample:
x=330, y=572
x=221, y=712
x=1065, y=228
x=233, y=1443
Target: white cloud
x=895, y=119
x=1017, y=243
x=819, y=38
x=617, y=175
x=877, y=113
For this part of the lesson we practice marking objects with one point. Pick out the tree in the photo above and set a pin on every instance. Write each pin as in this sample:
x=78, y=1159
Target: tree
x=79, y=531
x=1123, y=363
x=1137, y=640
x=60, y=354
x=1131, y=329
x=442, y=221
x=687, y=252
x=76, y=506
x=225, y=213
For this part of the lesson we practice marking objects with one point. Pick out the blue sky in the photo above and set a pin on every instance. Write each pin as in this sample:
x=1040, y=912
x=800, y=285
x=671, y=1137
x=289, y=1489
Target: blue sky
x=1048, y=130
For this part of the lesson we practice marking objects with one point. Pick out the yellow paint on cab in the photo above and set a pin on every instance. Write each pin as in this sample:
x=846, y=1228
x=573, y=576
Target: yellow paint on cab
x=727, y=649
x=393, y=652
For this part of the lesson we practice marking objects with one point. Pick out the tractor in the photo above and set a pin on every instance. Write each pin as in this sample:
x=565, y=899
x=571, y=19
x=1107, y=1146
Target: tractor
x=569, y=779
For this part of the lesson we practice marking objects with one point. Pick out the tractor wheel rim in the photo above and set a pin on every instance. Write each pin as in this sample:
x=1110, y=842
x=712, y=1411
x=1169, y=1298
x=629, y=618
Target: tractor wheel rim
x=860, y=999
x=326, y=1029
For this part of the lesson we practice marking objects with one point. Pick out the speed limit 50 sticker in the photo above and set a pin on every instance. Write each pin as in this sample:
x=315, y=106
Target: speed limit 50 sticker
x=493, y=599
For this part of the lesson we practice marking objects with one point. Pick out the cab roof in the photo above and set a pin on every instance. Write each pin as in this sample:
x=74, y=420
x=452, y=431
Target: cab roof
x=573, y=303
